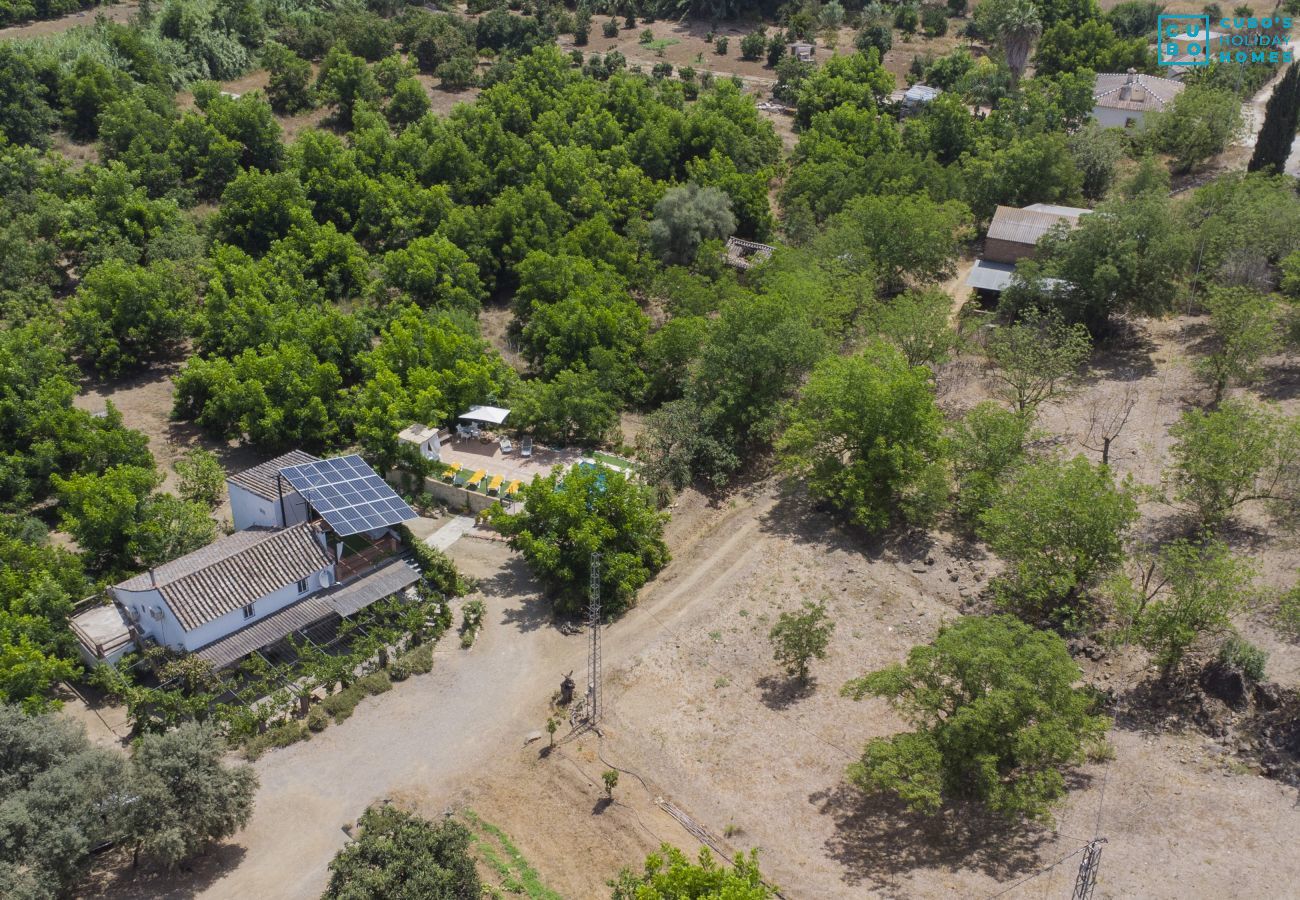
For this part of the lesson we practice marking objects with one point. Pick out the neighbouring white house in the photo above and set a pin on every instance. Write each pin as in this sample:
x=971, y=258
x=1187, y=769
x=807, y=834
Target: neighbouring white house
x=316, y=540
x=1123, y=101
x=1013, y=235
x=426, y=440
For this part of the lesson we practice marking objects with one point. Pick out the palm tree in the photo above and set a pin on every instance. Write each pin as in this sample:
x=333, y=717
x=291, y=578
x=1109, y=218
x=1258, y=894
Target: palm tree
x=1017, y=24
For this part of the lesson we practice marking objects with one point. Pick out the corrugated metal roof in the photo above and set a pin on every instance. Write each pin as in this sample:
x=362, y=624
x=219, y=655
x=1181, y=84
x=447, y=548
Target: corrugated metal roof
x=342, y=600
x=990, y=276
x=208, y=583
x=1134, y=91
x=1026, y=226
x=264, y=632
x=261, y=478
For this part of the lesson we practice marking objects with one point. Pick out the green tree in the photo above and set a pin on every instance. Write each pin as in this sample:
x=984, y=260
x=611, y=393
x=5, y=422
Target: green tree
x=101, y=511
x=1281, y=118
x=1060, y=525
x=1245, y=330
x=800, y=637
x=984, y=445
x=1097, y=151
x=1200, y=123
x=908, y=238
x=685, y=217
x=918, y=323
x=610, y=777
x=435, y=272
x=876, y=34
x=202, y=478
x=669, y=875
x=752, y=45
x=1126, y=257
x=409, y=103
x=569, y=515
x=63, y=796
x=1037, y=357
x=1092, y=45
x=571, y=408
x=289, y=87
x=167, y=527
x=865, y=433
x=258, y=209
x=404, y=857
x=1184, y=595
x=344, y=81
x=856, y=78
x=1232, y=455
x=185, y=796
x=26, y=117
x=997, y=720
x=123, y=316
x=934, y=20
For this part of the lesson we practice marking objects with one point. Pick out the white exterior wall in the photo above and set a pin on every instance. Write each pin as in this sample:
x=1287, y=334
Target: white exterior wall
x=166, y=631
x=248, y=509
x=169, y=632
x=234, y=620
x=1116, y=118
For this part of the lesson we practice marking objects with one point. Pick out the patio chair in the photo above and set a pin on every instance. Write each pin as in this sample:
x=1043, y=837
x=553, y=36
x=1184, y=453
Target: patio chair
x=461, y=478
x=506, y=446
x=513, y=488
x=450, y=472
x=526, y=448
x=476, y=480
x=494, y=486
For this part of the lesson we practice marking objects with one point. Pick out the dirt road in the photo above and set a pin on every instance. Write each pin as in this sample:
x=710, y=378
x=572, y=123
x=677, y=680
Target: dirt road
x=433, y=735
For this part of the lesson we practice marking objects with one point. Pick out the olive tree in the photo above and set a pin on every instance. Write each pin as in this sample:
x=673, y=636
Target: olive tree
x=685, y=217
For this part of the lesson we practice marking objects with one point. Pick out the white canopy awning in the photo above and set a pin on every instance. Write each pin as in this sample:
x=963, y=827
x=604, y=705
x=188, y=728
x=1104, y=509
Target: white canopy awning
x=493, y=415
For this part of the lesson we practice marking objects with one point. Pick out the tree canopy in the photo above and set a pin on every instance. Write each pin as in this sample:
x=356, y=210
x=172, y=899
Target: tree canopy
x=997, y=720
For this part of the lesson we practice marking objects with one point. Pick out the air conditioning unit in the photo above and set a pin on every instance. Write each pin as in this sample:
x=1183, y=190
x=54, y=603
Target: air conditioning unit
x=133, y=614
x=326, y=578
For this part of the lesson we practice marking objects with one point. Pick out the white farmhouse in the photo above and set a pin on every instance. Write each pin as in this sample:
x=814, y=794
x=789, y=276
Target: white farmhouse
x=1122, y=101
x=316, y=540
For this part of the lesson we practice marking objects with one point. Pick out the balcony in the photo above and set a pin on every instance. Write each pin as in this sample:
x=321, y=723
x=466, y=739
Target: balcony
x=361, y=555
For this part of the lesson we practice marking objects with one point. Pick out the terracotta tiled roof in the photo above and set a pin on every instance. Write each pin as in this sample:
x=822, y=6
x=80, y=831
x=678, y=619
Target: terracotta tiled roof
x=233, y=572
x=261, y=479
x=1134, y=91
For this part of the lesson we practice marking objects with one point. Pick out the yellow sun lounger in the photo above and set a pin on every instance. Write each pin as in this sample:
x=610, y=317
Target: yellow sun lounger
x=513, y=488
x=495, y=484
x=474, y=479
x=450, y=472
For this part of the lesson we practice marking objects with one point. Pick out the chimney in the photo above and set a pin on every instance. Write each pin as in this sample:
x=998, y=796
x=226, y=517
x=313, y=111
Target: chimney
x=1130, y=79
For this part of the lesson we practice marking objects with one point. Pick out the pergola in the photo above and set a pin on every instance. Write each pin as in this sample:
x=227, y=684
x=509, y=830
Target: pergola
x=492, y=415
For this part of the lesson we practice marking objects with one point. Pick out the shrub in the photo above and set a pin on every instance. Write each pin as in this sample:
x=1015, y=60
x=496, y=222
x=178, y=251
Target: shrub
x=934, y=21
x=609, y=28
x=280, y=736
x=720, y=46
x=647, y=36
x=317, y=719
x=1240, y=653
x=375, y=683
x=906, y=19
x=344, y=703
x=752, y=45
x=419, y=661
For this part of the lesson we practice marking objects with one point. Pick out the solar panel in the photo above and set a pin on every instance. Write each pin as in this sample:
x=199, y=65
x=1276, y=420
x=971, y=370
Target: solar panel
x=348, y=494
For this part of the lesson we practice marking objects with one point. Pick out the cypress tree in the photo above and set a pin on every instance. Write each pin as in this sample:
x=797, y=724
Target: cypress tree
x=1281, y=117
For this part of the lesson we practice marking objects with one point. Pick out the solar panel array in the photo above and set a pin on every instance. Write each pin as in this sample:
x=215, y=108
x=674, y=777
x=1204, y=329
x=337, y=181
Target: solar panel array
x=348, y=494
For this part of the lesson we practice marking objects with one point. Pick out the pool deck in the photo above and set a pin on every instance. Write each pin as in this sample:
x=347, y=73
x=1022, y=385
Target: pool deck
x=473, y=454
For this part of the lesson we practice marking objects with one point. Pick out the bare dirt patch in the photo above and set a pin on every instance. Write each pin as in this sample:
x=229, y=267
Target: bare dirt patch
x=118, y=12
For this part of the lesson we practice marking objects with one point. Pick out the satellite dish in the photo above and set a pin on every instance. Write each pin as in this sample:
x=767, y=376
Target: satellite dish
x=156, y=613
